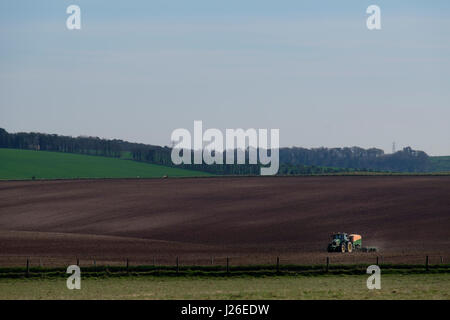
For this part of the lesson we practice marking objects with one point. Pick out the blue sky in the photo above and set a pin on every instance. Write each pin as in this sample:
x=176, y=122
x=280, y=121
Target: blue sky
x=140, y=69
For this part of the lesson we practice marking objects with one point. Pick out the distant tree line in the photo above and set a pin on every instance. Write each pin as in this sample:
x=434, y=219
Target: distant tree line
x=59, y=143
x=407, y=160
x=293, y=161
x=163, y=156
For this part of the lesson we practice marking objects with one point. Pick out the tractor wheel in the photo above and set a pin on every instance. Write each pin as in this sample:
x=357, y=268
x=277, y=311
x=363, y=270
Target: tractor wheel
x=343, y=247
x=349, y=247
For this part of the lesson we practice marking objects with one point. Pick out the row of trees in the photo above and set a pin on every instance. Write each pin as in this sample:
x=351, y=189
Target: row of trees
x=59, y=143
x=407, y=160
x=292, y=160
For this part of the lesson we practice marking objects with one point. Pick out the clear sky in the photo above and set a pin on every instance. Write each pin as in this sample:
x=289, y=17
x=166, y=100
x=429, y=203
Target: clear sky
x=137, y=70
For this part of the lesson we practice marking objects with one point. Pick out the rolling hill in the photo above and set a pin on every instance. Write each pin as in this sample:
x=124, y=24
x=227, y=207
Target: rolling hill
x=26, y=164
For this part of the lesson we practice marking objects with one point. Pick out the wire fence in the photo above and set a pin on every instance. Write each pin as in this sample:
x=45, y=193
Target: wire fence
x=377, y=258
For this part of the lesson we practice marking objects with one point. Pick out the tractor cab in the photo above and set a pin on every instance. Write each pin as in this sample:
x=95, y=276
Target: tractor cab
x=342, y=237
x=340, y=242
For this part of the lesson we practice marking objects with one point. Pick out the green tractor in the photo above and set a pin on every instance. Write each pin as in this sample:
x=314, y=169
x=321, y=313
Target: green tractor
x=342, y=242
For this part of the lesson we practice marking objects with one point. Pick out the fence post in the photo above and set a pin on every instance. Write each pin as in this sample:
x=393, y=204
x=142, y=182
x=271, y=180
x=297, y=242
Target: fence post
x=442, y=260
x=178, y=267
x=212, y=260
x=328, y=263
x=128, y=264
x=278, y=264
x=228, y=265
x=154, y=264
x=78, y=261
x=426, y=263
x=377, y=260
x=28, y=267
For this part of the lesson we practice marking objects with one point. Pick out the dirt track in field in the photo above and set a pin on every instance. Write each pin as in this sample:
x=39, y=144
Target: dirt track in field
x=252, y=220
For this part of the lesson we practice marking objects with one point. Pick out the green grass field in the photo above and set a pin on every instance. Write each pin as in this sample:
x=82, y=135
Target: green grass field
x=393, y=286
x=24, y=164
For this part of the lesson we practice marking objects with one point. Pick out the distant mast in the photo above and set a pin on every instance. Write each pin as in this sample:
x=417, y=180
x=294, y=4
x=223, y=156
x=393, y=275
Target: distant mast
x=393, y=147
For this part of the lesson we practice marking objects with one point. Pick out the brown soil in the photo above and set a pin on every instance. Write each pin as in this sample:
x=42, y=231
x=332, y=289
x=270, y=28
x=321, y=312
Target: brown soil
x=252, y=220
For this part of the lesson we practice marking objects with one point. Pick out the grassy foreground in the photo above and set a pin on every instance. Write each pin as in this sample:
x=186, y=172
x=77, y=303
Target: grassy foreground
x=25, y=164
x=393, y=286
